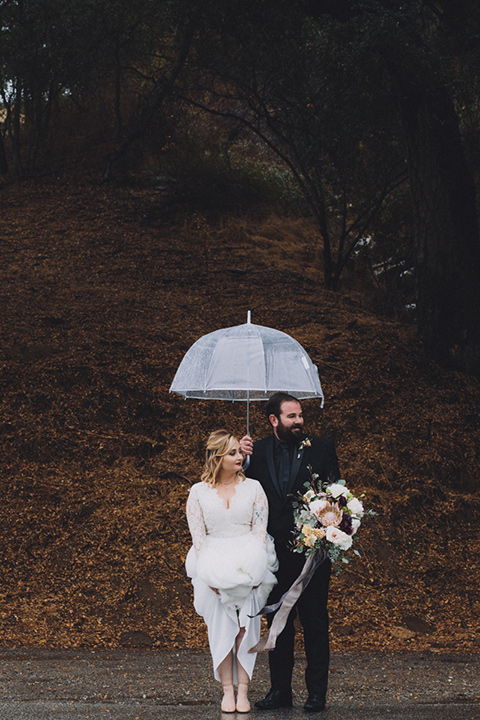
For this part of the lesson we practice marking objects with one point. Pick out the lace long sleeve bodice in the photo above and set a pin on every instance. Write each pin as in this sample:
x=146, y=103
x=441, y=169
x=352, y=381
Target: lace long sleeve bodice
x=196, y=522
x=207, y=514
x=260, y=515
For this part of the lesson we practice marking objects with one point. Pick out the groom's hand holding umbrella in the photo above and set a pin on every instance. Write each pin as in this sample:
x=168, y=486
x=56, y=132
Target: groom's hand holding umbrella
x=246, y=445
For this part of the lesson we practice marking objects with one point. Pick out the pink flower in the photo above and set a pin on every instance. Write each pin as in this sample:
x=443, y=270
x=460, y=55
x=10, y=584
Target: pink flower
x=331, y=515
x=318, y=505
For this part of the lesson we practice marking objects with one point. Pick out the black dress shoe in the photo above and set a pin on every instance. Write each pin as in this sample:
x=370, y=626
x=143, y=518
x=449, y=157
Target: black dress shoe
x=275, y=699
x=315, y=703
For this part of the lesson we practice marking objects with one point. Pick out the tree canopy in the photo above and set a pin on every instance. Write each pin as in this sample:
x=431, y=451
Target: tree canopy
x=355, y=98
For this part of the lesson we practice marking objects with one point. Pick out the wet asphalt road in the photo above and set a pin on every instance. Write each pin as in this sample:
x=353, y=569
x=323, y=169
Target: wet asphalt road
x=147, y=685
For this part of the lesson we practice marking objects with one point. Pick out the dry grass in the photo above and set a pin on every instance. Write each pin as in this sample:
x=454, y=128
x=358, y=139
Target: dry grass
x=103, y=291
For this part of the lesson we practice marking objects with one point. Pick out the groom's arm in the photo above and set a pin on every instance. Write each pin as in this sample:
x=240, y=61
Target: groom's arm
x=332, y=468
x=326, y=460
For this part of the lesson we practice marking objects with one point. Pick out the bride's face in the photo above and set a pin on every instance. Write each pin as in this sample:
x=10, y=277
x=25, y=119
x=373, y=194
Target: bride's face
x=232, y=462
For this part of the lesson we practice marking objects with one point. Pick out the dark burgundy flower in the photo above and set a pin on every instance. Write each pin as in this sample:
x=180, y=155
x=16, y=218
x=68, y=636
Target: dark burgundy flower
x=346, y=524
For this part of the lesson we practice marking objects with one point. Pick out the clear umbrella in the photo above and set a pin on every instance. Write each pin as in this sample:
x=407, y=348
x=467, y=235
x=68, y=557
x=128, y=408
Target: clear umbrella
x=246, y=362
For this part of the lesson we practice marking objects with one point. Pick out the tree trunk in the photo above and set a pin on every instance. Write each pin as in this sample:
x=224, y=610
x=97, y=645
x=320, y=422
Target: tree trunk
x=14, y=126
x=3, y=156
x=447, y=241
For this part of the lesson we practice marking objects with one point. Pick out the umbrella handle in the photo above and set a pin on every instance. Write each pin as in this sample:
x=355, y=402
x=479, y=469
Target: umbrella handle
x=249, y=320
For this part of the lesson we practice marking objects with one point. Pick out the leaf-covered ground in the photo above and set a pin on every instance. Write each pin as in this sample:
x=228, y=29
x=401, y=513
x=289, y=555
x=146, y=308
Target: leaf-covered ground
x=103, y=289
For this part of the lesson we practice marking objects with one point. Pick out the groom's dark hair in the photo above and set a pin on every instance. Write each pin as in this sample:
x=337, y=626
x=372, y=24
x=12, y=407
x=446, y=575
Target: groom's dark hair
x=274, y=405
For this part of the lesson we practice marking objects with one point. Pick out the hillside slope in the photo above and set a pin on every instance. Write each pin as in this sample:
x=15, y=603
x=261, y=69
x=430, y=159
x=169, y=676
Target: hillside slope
x=104, y=288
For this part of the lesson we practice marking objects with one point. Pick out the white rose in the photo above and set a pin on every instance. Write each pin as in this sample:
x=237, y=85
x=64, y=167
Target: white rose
x=338, y=537
x=355, y=507
x=355, y=524
x=336, y=490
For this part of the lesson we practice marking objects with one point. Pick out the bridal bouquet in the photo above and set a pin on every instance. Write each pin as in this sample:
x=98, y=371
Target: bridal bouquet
x=326, y=520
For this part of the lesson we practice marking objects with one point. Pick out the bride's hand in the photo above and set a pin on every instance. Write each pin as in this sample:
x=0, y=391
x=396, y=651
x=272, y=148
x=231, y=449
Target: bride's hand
x=246, y=445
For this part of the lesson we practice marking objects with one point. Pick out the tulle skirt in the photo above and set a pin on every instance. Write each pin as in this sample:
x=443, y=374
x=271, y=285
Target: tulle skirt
x=242, y=569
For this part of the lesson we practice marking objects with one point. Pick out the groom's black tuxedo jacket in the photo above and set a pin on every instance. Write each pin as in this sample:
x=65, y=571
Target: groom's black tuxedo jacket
x=320, y=456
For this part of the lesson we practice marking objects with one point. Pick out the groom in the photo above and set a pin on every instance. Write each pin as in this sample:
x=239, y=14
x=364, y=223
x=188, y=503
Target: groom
x=280, y=463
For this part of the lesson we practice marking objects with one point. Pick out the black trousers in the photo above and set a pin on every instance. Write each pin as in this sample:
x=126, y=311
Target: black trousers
x=312, y=611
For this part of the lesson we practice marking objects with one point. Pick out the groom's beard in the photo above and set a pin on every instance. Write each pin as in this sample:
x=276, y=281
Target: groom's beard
x=291, y=435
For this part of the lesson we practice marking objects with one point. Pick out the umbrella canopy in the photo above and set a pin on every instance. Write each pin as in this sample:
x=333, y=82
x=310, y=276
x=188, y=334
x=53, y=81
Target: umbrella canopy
x=246, y=362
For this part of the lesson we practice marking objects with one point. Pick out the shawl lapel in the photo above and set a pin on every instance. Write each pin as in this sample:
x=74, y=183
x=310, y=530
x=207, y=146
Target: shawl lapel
x=271, y=466
x=296, y=462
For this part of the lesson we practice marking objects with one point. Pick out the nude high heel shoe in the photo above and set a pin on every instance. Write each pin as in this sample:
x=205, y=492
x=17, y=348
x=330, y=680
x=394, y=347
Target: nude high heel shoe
x=228, y=700
x=243, y=705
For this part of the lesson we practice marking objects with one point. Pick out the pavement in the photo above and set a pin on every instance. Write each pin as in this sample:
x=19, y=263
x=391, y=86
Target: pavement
x=148, y=685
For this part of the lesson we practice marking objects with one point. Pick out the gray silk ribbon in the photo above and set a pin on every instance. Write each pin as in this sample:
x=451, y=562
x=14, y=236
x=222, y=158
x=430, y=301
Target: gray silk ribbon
x=286, y=603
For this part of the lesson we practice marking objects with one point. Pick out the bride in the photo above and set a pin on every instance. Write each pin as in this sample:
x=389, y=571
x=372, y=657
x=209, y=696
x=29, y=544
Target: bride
x=231, y=563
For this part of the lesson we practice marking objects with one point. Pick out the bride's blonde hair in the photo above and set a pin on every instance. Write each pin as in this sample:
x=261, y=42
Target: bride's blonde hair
x=219, y=444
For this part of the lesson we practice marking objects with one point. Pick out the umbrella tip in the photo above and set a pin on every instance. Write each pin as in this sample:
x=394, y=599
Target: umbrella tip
x=249, y=316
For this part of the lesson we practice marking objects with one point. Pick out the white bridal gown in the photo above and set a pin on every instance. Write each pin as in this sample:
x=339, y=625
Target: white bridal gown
x=233, y=553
